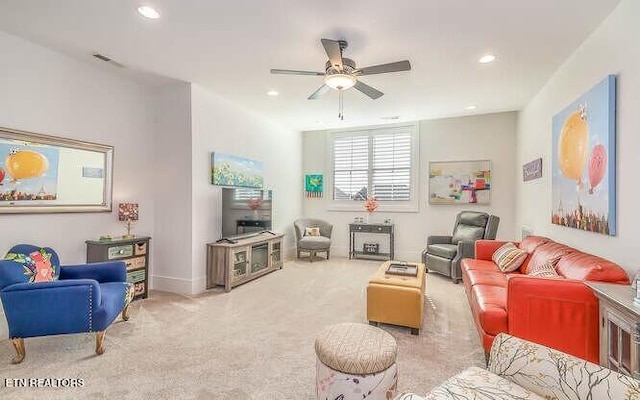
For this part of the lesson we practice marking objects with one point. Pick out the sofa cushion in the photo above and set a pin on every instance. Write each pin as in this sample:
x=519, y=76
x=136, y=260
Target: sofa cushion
x=508, y=257
x=489, y=306
x=314, y=242
x=478, y=383
x=491, y=278
x=545, y=270
x=473, y=264
x=587, y=267
x=467, y=232
x=550, y=251
x=447, y=251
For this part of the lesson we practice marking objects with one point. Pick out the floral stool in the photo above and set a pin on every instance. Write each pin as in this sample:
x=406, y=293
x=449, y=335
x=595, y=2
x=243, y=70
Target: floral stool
x=355, y=361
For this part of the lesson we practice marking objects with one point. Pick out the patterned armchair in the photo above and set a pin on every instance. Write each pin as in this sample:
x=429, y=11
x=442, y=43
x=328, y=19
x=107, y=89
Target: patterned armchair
x=519, y=369
x=42, y=298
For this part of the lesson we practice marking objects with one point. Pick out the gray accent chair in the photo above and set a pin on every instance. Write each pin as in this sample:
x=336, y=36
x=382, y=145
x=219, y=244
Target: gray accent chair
x=444, y=253
x=313, y=244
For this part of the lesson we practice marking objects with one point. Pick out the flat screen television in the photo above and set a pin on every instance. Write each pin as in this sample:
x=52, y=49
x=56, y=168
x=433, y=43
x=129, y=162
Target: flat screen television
x=245, y=212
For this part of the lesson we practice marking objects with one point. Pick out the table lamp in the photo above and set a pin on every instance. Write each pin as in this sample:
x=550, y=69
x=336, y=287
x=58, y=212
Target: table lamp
x=128, y=212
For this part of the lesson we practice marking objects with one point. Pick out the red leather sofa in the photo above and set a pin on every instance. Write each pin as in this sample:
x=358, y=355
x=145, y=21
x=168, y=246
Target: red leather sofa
x=560, y=313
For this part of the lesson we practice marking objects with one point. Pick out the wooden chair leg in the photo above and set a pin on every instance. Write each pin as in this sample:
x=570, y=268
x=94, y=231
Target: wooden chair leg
x=125, y=313
x=100, y=342
x=18, y=344
x=328, y=254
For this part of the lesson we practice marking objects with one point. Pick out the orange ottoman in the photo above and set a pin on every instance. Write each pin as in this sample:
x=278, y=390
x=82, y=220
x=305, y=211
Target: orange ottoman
x=396, y=299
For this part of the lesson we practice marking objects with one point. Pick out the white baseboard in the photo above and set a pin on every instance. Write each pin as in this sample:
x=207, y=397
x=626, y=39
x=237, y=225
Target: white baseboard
x=173, y=285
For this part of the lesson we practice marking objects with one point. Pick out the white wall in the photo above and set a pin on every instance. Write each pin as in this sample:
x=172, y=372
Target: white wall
x=218, y=125
x=45, y=92
x=609, y=49
x=491, y=136
x=171, y=270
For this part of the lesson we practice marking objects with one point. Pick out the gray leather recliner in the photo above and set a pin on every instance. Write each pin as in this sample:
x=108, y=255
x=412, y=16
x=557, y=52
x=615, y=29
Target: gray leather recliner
x=444, y=253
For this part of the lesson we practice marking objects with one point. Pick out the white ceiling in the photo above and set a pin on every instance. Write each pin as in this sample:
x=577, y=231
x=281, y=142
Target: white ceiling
x=230, y=46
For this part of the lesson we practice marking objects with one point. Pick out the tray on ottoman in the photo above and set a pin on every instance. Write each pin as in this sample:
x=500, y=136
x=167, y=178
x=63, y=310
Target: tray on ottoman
x=396, y=299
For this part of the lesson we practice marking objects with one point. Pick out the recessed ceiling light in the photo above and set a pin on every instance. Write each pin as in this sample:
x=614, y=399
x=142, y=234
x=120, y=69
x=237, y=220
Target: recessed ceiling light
x=391, y=118
x=148, y=12
x=273, y=93
x=486, y=59
x=471, y=107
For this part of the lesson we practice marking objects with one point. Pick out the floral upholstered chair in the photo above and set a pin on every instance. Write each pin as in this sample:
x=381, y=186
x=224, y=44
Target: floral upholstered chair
x=523, y=370
x=42, y=298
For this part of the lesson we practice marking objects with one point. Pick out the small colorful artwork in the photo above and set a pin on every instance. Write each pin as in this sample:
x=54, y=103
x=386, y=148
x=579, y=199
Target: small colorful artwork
x=313, y=185
x=230, y=170
x=460, y=182
x=532, y=170
x=27, y=172
x=584, y=161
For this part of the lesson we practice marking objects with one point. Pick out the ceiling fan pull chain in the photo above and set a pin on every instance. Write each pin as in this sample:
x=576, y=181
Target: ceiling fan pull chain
x=340, y=106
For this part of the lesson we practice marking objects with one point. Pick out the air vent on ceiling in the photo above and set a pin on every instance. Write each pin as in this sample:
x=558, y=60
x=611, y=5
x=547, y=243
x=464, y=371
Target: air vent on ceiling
x=107, y=60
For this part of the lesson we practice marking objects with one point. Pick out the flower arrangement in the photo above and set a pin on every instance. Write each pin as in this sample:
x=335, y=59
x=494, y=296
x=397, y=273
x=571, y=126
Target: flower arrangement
x=371, y=204
x=254, y=204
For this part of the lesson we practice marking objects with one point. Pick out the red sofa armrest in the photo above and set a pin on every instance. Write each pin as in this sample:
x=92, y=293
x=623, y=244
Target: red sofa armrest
x=486, y=248
x=558, y=313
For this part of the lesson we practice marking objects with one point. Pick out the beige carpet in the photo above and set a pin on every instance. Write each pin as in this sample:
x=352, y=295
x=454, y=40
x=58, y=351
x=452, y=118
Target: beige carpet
x=253, y=343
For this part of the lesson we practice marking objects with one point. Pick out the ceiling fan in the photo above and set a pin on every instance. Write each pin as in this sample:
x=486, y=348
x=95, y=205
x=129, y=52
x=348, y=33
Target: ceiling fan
x=341, y=73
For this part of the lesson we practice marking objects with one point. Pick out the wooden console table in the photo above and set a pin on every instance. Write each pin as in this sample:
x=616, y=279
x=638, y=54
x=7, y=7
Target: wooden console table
x=356, y=228
x=619, y=328
x=230, y=264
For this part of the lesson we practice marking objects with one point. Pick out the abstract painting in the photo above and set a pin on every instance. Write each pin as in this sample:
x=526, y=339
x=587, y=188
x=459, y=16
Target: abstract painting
x=584, y=161
x=230, y=170
x=460, y=182
x=313, y=185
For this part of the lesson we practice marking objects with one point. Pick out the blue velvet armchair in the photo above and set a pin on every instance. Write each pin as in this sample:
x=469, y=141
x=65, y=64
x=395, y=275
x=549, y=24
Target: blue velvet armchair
x=42, y=298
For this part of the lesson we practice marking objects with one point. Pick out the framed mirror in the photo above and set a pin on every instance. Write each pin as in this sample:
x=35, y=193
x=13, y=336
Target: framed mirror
x=47, y=174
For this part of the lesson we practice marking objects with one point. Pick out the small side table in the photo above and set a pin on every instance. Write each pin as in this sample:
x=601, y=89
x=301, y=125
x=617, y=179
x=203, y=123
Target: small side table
x=619, y=328
x=384, y=229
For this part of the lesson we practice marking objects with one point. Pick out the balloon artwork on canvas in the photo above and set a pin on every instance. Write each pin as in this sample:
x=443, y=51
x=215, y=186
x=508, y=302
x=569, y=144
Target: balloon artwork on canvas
x=583, y=179
x=26, y=172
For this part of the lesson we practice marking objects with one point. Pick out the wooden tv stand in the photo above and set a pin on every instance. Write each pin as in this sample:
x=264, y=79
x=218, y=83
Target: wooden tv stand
x=232, y=263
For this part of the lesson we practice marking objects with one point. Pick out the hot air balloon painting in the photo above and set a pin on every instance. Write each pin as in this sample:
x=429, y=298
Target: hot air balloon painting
x=27, y=172
x=583, y=161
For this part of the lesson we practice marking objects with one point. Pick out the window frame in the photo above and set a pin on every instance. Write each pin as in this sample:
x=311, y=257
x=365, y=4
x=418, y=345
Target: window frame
x=411, y=205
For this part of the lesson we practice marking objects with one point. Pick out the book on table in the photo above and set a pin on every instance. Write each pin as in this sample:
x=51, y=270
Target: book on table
x=402, y=269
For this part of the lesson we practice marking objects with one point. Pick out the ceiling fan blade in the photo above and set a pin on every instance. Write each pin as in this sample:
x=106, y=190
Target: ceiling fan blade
x=368, y=90
x=384, y=68
x=332, y=47
x=321, y=90
x=294, y=72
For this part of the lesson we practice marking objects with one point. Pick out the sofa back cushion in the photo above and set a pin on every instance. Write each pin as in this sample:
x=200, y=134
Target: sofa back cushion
x=530, y=243
x=587, y=267
x=549, y=251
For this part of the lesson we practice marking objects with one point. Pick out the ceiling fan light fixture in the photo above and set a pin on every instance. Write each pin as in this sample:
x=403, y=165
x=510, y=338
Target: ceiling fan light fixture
x=340, y=81
x=148, y=12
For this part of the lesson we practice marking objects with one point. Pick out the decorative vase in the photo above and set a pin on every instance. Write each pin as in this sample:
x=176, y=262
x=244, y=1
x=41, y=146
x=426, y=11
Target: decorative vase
x=368, y=218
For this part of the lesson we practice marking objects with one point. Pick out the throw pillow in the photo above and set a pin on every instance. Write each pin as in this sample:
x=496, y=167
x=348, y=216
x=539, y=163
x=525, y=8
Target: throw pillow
x=508, y=257
x=546, y=269
x=37, y=265
x=312, y=231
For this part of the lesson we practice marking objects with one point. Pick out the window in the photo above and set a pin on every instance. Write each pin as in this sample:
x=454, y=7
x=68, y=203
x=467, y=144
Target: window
x=378, y=163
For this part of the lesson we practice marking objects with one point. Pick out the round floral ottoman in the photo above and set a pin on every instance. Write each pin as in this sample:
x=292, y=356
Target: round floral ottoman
x=355, y=361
